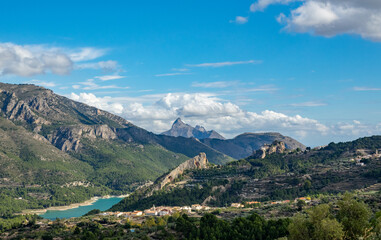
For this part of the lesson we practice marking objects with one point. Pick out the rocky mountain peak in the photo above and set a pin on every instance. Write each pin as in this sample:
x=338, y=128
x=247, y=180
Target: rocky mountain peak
x=181, y=129
x=275, y=147
x=178, y=121
x=198, y=162
x=200, y=128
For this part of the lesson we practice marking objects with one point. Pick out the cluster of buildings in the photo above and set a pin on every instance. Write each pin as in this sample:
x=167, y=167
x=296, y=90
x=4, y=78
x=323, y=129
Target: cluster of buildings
x=365, y=154
x=165, y=210
x=157, y=211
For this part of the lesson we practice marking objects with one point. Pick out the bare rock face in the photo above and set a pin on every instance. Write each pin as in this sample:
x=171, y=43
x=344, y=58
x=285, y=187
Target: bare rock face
x=275, y=147
x=68, y=138
x=198, y=162
x=18, y=110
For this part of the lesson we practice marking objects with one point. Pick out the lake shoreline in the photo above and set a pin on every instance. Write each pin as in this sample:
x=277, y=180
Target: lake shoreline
x=71, y=206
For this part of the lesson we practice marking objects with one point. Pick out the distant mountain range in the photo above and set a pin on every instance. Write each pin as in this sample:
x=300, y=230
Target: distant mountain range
x=181, y=129
x=239, y=147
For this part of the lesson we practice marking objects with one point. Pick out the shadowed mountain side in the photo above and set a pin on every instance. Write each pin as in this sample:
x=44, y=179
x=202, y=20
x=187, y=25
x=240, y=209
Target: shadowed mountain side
x=243, y=145
x=187, y=146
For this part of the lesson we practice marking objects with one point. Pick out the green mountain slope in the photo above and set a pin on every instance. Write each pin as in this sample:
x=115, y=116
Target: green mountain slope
x=35, y=174
x=26, y=157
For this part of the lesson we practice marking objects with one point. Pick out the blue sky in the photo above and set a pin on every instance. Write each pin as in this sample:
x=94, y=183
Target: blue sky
x=302, y=68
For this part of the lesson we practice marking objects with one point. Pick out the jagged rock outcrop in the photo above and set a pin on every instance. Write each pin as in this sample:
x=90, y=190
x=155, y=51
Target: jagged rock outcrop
x=275, y=147
x=18, y=110
x=181, y=129
x=68, y=138
x=198, y=162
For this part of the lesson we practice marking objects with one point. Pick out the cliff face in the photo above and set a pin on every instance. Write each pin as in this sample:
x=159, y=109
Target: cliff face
x=18, y=110
x=68, y=138
x=198, y=162
x=275, y=147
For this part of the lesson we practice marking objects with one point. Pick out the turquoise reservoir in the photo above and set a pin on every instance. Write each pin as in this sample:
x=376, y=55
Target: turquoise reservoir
x=101, y=204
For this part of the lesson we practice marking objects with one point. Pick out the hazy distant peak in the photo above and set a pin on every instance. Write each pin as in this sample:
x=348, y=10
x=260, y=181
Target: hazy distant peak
x=178, y=121
x=200, y=128
x=181, y=129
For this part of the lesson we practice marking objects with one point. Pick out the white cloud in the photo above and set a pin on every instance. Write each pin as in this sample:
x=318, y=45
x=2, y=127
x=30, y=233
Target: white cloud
x=240, y=20
x=308, y=104
x=366, y=89
x=42, y=83
x=180, y=69
x=218, y=84
x=107, y=66
x=156, y=113
x=331, y=17
x=89, y=84
x=223, y=64
x=87, y=54
x=101, y=103
x=171, y=74
x=261, y=5
x=356, y=128
x=204, y=109
x=32, y=60
x=109, y=77
x=264, y=88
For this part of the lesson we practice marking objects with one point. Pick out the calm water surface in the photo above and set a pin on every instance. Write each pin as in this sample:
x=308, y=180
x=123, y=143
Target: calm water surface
x=101, y=204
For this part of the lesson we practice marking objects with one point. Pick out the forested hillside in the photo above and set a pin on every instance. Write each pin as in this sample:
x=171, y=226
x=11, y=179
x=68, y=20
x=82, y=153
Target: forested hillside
x=279, y=176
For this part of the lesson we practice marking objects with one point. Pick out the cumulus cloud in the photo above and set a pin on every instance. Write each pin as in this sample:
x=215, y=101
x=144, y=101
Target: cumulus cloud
x=29, y=61
x=240, y=20
x=101, y=103
x=224, y=64
x=203, y=109
x=331, y=17
x=156, y=113
x=356, y=128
